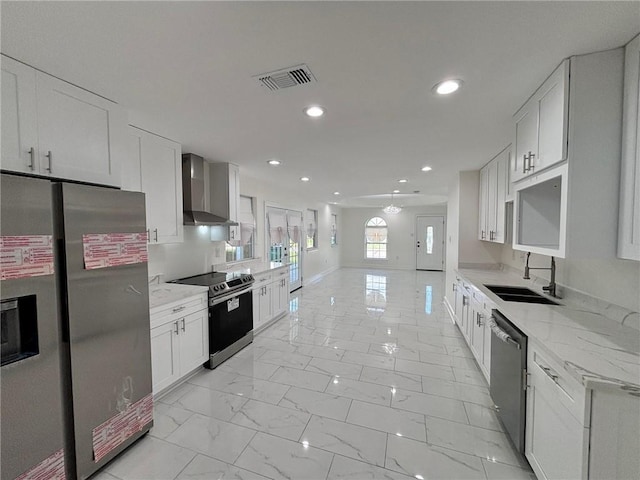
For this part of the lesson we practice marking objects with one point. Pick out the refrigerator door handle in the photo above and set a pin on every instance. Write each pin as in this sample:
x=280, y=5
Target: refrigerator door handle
x=132, y=289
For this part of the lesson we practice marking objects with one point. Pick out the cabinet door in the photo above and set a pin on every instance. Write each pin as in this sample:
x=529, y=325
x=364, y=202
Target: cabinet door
x=284, y=293
x=553, y=102
x=554, y=442
x=165, y=359
x=266, y=305
x=194, y=340
x=525, y=139
x=492, y=199
x=161, y=177
x=255, y=296
x=132, y=167
x=82, y=136
x=629, y=224
x=483, y=204
x=502, y=181
x=477, y=334
x=19, y=124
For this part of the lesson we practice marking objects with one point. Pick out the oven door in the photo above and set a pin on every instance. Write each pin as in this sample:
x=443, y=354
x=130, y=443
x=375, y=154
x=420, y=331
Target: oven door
x=230, y=323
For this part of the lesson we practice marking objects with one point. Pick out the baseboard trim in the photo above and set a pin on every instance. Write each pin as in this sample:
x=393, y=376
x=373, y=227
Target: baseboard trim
x=450, y=310
x=318, y=277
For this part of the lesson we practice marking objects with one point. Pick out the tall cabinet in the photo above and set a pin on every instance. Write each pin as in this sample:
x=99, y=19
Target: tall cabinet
x=629, y=225
x=494, y=179
x=155, y=168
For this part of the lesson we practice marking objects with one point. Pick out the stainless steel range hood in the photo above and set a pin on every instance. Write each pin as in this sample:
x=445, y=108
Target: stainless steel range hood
x=194, y=206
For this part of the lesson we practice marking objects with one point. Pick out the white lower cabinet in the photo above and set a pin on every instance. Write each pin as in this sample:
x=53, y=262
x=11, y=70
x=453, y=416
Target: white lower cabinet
x=557, y=434
x=179, y=341
x=270, y=297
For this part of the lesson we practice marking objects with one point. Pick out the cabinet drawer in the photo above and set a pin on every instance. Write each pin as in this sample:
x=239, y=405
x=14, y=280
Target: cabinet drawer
x=261, y=280
x=566, y=390
x=177, y=310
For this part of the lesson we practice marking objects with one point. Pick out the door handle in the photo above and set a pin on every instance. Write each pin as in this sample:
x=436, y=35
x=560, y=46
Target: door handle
x=50, y=157
x=31, y=154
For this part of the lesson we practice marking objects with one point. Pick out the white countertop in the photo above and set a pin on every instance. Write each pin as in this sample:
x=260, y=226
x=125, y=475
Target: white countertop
x=595, y=350
x=255, y=268
x=163, y=294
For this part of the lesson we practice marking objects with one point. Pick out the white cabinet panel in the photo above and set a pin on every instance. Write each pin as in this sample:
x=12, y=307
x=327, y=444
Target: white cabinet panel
x=270, y=297
x=19, y=124
x=194, y=340
x=55, y=129
x=82, y=136
x=157, y=171
x=540, y=126
x=629, y=224
x=493, y=190
x=179, y=341
x=165, y=367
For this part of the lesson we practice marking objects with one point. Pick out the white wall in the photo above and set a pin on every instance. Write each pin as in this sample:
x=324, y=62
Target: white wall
x=401, y=248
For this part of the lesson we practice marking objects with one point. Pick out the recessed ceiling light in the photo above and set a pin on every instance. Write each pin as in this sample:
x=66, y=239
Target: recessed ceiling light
x=274, y=162
x=314, y=111
x=396, y=191
x=447, y=86
x=336, y=193
x=426, y=169
x=404, y=180
x=304, y=179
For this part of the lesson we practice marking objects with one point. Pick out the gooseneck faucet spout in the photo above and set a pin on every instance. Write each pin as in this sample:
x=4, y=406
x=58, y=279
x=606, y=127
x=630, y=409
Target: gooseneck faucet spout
x=551, y=288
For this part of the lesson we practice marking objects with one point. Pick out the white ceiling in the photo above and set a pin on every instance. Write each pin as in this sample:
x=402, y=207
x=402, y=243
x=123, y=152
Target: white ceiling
x=184, y=70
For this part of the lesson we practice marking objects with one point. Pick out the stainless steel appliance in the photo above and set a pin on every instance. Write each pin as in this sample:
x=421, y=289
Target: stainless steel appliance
x=89, y=379
x=509, y=376
x=230, y=312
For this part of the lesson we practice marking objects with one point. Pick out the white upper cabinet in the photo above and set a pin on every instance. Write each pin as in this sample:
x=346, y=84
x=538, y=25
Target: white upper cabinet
x=540, y=133
x=493, y=191
x=19, y=119
x=629, y=225
x=59, y=130
x=568, y=209
x=155, y=168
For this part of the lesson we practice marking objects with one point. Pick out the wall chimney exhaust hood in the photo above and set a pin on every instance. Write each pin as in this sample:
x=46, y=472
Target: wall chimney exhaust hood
x=194, y=207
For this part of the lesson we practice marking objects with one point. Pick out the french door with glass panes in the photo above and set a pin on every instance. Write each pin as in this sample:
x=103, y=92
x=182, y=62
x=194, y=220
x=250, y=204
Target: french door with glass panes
x=285, y=235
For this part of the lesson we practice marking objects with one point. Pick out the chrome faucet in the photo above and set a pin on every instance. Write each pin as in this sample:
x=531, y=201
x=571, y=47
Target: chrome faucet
x=551, y=288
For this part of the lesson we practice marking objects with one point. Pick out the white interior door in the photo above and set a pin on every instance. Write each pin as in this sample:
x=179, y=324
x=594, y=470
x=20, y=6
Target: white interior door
x=430, y=243
x=285, y=234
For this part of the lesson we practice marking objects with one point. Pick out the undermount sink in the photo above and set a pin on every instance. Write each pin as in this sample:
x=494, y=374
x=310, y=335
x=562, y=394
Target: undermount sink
x=519, y=294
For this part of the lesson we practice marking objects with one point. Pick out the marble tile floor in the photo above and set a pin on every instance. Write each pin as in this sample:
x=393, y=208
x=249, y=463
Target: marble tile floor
x=366, y=378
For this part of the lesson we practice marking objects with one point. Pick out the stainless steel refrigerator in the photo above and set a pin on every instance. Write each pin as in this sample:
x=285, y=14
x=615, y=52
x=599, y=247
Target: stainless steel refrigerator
x=76, y=362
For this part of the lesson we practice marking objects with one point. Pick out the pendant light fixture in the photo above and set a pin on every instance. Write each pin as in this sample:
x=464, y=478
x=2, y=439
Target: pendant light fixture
x=391, y=209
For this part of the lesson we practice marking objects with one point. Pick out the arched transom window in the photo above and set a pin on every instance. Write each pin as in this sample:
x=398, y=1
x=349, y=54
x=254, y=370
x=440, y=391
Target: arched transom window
x=375, y=237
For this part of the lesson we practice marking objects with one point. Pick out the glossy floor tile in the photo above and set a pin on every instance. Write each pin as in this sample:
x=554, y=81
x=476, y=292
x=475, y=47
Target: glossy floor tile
x=365, y=378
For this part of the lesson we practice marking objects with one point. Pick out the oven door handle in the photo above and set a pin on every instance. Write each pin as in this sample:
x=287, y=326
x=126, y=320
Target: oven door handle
x=224, y=298
x=501, y=334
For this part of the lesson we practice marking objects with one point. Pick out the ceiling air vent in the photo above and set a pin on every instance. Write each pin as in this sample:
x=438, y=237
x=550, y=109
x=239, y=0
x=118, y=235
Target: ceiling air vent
x=287, y=77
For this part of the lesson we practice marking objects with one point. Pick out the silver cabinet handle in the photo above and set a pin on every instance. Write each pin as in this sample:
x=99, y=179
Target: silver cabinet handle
x=482, y=235
x=155, y=230
x=178, y=309
x=524, y=163
x=465, y=301
x=148, y=236
x=176, y=325
x=50, y=157
x=531, y=157
x=31, y=152
x=183, y=325
x=550, y=373
x=455, y=287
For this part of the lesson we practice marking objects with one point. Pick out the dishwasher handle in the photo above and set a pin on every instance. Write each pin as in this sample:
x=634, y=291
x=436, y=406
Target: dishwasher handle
x=501, y=334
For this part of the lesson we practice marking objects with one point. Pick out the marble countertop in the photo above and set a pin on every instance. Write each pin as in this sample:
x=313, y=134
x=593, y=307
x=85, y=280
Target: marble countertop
x=594, y=349
x=163, y=294
x=256, y=268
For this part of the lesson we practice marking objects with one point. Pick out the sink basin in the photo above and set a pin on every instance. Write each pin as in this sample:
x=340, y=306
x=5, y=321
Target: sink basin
x=511, y=290
x=519, y=294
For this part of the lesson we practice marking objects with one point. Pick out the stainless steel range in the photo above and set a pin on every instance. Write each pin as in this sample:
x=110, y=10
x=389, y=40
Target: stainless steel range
x=230, y=312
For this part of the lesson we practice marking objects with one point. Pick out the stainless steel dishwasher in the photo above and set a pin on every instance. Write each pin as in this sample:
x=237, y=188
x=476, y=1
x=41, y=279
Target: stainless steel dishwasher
x=508, y=376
